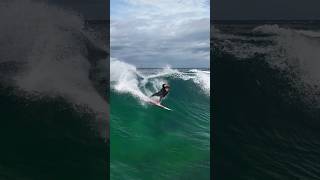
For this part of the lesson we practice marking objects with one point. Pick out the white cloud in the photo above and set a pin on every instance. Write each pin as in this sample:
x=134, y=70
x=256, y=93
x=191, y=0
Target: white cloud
x=159, y=32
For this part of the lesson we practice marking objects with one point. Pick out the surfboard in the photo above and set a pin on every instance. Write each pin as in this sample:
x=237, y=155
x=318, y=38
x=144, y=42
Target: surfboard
x=159, y=105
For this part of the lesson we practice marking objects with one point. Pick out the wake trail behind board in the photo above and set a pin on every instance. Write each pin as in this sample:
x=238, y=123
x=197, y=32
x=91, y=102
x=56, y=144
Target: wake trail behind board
x=158, y=104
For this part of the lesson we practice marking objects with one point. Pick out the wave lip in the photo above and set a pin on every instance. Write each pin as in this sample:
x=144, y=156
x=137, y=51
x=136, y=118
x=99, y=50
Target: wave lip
x=126, y=78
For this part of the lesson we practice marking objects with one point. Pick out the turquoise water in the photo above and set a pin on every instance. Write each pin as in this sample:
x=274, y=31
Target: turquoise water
x=148, y=142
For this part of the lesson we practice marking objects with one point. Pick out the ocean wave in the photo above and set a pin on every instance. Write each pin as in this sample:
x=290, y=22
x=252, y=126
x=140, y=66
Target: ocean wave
x=51, y=52
x=269, y=29
x=277, y=30
x=288, y=49
x=147, y=129
x=297, y=51
x=277, y=100
x=126, y=78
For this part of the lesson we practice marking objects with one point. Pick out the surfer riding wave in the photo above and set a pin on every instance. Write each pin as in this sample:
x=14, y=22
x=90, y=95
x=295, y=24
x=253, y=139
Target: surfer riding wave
x=163, y=92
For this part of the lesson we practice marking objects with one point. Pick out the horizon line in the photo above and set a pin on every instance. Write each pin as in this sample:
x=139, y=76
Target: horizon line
x=173, y=67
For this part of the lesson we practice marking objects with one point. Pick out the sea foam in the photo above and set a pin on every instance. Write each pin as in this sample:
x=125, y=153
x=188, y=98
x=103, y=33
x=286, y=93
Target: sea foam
x=126, y=78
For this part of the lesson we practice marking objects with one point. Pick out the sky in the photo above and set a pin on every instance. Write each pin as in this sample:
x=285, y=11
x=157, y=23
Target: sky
x=160, y=33
x=265, y=9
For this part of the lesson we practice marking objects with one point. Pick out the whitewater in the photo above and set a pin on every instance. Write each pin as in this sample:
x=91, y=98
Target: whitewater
x=126, y=78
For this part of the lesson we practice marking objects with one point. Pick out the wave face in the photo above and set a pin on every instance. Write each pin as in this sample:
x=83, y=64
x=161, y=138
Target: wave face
x=53, y=101
x=150, y=142
x=267, y=96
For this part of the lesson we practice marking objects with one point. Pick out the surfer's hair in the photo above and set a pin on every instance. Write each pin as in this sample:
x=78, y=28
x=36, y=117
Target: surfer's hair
x=165, y=86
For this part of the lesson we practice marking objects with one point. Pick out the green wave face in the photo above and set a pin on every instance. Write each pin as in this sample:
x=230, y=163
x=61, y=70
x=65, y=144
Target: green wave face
x=148, y=142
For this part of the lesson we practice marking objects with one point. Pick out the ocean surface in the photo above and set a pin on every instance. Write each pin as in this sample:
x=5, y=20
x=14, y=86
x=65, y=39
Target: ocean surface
x=266, y=100
x=53, y=100
x=148, y=142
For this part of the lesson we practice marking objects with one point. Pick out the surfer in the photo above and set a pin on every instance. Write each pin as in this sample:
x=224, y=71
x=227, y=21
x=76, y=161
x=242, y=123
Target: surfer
x=163, y=92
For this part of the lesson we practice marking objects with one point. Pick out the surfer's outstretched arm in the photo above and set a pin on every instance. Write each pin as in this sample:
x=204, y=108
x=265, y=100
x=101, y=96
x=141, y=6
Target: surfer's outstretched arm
x=156, y=94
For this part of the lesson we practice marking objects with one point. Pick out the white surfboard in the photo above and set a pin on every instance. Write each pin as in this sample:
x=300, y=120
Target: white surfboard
x=158, y=104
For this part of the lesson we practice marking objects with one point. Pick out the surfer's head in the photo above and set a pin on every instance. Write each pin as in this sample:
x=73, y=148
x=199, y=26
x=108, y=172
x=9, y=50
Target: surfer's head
x=166, y=87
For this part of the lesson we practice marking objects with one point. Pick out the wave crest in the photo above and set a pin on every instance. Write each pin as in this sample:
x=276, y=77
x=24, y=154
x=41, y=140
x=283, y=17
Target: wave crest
x=51, y=52
x=126, y=78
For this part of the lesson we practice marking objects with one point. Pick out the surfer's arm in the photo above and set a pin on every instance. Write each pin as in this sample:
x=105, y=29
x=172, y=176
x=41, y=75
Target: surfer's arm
x=156, y=94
